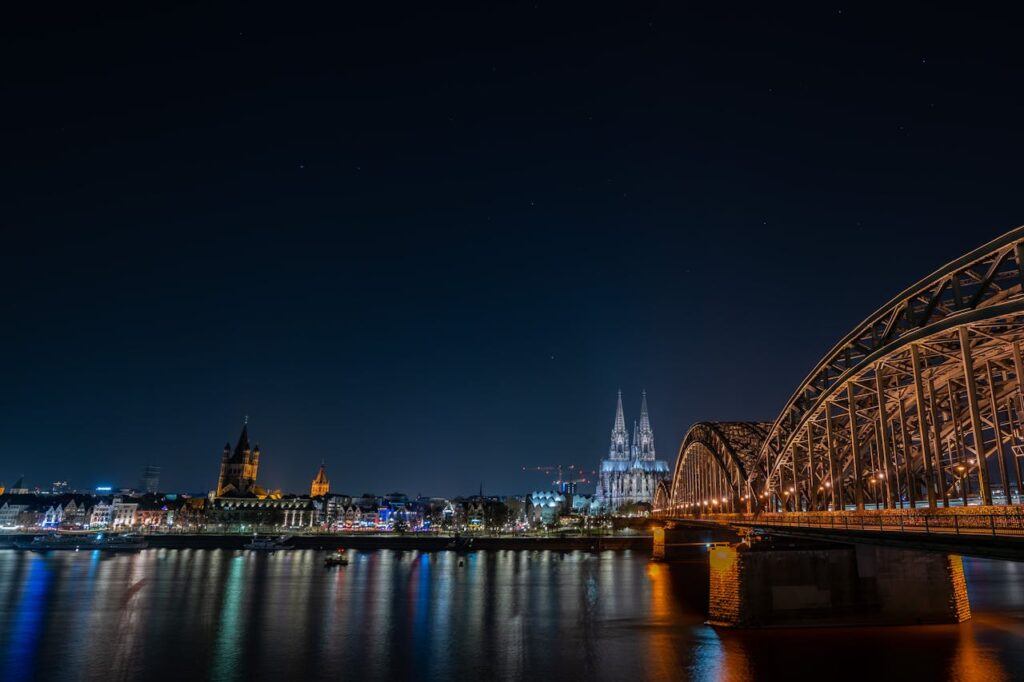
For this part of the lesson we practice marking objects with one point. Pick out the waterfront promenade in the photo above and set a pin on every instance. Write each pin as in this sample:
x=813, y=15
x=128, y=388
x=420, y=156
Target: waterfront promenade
x=411, y=541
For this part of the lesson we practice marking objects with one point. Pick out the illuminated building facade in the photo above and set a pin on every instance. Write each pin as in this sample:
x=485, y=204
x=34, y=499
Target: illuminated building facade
x=10, y=511
x=238, y=467
x=114, y=514
x=631, y=473
x=320, y=486
x=545, y=507
x=252, y=513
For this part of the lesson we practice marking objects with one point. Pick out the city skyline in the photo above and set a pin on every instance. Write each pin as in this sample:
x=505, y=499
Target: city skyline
x=409, y=245
x=150, y=470
x=511, y=341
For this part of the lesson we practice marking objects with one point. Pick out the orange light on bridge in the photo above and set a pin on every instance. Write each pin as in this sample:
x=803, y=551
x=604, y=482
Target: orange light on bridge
x=722, y=557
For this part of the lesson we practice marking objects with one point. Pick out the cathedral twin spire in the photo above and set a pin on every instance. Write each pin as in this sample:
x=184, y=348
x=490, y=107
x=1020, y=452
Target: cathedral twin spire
x=620, y=439
x=643, y=444
x=643, y=435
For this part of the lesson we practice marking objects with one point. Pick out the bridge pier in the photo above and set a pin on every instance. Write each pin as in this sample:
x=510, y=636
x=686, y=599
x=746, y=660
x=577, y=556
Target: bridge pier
x=687, y=542
x=817, y=585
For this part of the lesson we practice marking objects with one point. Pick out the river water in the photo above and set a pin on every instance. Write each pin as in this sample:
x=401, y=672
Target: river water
x=230, y=615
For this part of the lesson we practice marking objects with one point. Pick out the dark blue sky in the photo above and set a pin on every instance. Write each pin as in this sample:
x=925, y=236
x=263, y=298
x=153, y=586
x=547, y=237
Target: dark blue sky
x=428, y=245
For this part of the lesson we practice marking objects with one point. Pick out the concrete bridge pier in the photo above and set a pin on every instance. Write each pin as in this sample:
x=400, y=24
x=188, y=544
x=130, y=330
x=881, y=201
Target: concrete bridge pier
x=812, y=585
x=687, y=542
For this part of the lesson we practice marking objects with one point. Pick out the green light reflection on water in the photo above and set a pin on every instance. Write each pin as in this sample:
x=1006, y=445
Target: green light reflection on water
x=227, y=656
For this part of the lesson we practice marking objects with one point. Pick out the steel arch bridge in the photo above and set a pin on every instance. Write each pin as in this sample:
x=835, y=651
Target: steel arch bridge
x=920, y=405
x=715, y=460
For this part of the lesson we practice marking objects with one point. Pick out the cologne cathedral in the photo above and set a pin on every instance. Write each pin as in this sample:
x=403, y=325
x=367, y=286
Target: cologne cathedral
x=631, y=473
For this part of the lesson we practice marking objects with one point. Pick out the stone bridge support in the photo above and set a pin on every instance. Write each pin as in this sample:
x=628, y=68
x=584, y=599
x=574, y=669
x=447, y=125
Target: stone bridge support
x=687, y=542
x=834, y=585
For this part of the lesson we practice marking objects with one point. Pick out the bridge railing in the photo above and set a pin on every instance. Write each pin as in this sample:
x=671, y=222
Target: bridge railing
x=950, y=522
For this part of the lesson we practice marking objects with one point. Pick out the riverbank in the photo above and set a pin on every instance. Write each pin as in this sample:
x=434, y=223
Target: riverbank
x=412, y=541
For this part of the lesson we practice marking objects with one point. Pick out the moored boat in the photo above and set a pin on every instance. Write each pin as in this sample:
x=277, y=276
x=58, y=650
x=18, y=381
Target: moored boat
x=77, y=542
x=259, y=544
x=460, y=544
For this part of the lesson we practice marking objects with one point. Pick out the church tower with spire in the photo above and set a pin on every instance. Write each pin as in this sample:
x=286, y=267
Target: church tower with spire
x=238, y=467
x=643, y=442
x=630, y=474
x=619, y=449
x=320, y=486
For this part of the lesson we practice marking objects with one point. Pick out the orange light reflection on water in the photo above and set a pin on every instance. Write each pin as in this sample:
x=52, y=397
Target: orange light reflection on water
x=974, y=661
x=710, y=656
x=663, y=660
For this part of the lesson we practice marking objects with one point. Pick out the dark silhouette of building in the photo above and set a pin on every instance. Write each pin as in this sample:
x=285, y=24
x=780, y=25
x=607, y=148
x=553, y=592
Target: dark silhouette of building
x=150, y=480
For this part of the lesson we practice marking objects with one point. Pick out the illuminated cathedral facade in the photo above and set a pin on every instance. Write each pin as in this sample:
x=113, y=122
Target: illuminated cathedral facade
x=631, y=472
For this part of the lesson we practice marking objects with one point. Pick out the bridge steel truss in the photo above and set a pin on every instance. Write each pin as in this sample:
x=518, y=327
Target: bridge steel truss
x=715, y=462
x=919, y=405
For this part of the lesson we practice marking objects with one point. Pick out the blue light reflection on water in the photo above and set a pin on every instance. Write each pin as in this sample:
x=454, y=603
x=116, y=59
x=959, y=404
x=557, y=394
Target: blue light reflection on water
x=421, y=612
x=27, y=629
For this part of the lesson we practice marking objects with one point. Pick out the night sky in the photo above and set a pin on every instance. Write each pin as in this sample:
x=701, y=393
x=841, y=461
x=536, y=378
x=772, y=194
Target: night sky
x=428, y=245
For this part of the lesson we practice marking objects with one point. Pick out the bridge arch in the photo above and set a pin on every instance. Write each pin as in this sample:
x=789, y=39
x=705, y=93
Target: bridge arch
x=713, y=467
x=919, y=405
x=662, y=495
x=920, y=402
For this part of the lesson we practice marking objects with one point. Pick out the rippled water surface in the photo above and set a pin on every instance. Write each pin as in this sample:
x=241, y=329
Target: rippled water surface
x=226, y=615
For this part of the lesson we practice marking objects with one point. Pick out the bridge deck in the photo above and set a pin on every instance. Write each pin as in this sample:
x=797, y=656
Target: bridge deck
x=998, y=536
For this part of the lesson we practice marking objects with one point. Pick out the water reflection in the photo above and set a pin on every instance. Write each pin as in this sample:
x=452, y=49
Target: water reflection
x=501, y=615
x=228, y=653
x=27, y=630
x=973, y=660
x=663, y=660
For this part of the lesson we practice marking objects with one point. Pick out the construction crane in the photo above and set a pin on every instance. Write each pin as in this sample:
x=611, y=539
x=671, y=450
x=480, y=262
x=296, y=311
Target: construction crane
x=577, y=474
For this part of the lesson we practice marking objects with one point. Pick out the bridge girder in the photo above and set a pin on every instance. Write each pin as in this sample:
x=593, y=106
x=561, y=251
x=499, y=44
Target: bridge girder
x=920, y=402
